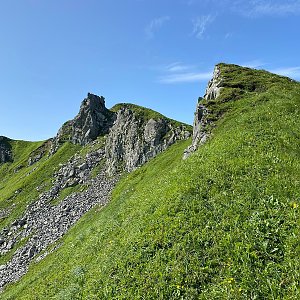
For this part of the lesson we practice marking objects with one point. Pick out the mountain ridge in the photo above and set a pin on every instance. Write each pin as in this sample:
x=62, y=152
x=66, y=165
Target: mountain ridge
x=221, y=224
x=83, y=161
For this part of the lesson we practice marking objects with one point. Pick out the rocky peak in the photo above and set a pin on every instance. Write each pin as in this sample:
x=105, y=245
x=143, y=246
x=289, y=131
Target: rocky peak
x=93, y=119
x=90, y=107
x=5, y=150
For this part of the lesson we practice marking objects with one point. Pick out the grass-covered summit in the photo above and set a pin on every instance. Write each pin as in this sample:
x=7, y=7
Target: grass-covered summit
x=145, y=114
x=222, y=224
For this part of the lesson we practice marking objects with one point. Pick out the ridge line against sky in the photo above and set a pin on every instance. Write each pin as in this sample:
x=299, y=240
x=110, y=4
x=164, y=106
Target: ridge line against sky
x=155, y=53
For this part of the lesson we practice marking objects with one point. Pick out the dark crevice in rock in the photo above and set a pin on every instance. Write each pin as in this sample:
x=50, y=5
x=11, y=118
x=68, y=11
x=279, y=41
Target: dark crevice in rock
x=5, y=150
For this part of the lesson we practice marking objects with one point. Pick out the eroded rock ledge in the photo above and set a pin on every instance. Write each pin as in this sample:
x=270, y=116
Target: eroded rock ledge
x=202, y=120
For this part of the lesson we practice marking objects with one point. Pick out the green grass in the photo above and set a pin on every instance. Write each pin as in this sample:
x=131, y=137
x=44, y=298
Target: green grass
x=141, y=112
x=223, y=224
x=18, y=189
x=145, y=114
x=65, y=132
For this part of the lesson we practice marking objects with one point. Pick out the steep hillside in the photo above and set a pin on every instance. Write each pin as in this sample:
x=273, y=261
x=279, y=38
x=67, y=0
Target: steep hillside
x=45, y=187
x=221, y=224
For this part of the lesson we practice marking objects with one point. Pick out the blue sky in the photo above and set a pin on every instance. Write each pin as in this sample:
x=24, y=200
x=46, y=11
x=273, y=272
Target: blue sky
x=155, y=53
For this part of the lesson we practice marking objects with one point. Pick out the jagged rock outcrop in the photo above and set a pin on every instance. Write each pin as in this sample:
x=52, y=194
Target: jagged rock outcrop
x=132, y=141
x=200, y=135
x=214, y=86
x=201, y=120
x=5, y=150
x=93, y=119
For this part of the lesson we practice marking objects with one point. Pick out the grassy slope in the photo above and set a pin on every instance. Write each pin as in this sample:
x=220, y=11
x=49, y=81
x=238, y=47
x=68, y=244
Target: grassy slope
x=223, y=224
x=18, y=189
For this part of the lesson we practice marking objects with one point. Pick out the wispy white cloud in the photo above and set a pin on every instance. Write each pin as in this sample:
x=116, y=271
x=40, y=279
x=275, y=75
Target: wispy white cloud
x=252, y=8
x=180, y=73
x=271, y=8
x=292, y=72
x=155, y=25
x=202, y=2
x=256, y=63
x=178, y=67
x=186, y=77
x=258, y=8
x=200, y=25
x=228, y=35
x=191, y=2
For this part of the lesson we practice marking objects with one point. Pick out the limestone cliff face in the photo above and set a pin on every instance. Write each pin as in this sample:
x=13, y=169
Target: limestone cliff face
x=201, y=120
x=199, y=133
x=132, y=141
x=93, y=119
x=214, y=85
x=132, y=136
x=5, y=150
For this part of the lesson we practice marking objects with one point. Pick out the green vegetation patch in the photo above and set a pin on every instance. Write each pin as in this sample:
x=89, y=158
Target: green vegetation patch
x=145, y=114
x=67, y=192
x=65, y=132
x=21, y=184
